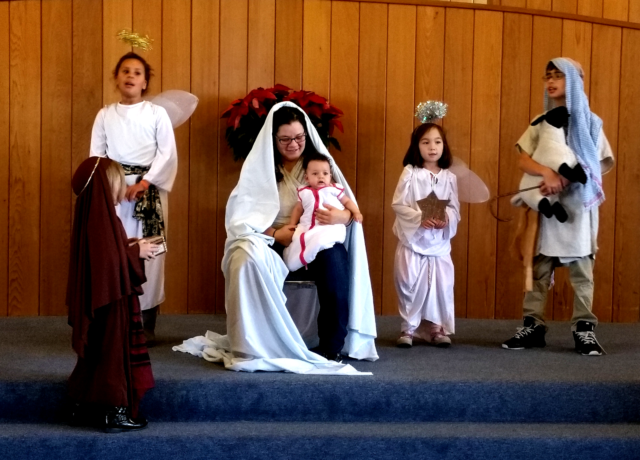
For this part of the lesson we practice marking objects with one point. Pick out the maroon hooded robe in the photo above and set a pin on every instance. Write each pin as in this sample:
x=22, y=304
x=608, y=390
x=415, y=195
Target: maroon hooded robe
x=105, y=275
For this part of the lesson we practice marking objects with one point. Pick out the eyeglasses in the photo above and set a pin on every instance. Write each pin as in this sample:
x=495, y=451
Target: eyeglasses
x=300, y=138
x=555, y=76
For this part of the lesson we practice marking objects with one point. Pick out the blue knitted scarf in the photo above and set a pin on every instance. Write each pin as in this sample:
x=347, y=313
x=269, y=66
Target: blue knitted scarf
x=584, y=131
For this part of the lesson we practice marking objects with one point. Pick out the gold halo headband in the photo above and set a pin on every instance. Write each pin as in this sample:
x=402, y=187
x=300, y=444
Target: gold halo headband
x=90, y=177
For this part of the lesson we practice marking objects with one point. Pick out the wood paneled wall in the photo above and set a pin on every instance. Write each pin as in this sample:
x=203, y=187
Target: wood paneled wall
x=374, y=60
x=619, y=10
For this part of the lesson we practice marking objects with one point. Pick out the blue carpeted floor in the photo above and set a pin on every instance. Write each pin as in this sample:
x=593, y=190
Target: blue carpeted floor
x=474, y=400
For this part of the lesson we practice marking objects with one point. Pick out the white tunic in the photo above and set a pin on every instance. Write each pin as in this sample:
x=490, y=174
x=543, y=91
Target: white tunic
x=141, y=135
x=423, y=271
x=311, y=237
x=577, y=237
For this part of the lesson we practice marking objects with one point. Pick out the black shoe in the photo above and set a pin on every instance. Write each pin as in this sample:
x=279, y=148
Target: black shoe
x=337, y=357
x=585, y=339
x=118, y=420
x=529, y=336
x=77, y=415
x=544, y=207
x=560, y=213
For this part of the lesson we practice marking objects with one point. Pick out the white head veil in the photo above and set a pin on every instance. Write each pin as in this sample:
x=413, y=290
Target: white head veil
x=253, y=206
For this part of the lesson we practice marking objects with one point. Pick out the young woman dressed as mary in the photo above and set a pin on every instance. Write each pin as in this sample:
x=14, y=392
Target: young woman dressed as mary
x=260, y=332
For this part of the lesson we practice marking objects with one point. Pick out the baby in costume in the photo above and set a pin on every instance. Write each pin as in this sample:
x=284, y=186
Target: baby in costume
x=311, y=237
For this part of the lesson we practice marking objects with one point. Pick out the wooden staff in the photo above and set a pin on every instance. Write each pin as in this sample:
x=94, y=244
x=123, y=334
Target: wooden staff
x=497, y=197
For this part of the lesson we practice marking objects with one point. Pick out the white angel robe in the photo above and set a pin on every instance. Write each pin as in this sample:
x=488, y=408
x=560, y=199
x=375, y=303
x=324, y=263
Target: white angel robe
x=311, y=237
x=261, y=334
x=423, y=273
x=141, y=135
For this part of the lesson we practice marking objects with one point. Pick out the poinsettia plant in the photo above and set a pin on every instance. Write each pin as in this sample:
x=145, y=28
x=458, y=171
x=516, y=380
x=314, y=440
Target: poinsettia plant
x=246, y=116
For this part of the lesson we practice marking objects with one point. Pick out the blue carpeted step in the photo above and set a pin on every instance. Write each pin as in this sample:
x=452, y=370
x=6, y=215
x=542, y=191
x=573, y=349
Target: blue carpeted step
x=359, y=399
x=251, y=440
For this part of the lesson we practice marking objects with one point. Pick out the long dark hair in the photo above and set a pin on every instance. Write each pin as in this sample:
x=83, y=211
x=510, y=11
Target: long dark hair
x=148, y=71
x=286, y=116
x=413, y=157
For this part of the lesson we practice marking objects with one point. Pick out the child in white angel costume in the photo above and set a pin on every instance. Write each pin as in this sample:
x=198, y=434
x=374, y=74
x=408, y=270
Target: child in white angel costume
x=138, y=134
x=311, y=237
x=423, y=270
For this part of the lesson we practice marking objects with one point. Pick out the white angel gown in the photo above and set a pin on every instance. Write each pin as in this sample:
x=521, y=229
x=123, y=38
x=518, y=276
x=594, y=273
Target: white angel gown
x=140, y=135
x=423, y=274
x=309, y=237
x=261, y=334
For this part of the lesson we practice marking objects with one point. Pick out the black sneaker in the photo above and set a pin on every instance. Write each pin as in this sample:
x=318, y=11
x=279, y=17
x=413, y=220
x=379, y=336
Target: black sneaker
x=585, y=339
x=529, y=336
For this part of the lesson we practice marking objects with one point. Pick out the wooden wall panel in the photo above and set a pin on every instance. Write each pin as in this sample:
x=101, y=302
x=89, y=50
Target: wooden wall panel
x=514, y=119
x=4, y=154
x=116, y=15
x=24, y=162
x=371, y=135
x=514, y=3
x=232, y=85
x=429, y=55
x=344, y=84
x=400, y=83
x=605, y=99
x=458, y=68
x=288, y=65
x=547, y=39
x=316, y=46
x=539, y=4
x=565, y=6
x=57, y=94
x=87, y=76
x=591, y=8
x=176, y=58
x=626, y=292
x=616, y=9
x=484, y=161
x=261, y=59
x=147, y=20
x=203, y=156
x=634, y=10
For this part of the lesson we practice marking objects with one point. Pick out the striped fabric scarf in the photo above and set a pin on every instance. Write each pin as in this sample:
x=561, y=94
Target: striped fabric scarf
x=584, y=131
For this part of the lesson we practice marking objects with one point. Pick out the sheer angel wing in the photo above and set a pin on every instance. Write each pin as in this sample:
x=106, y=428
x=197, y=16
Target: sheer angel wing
x=471, y=189
x=178, y=104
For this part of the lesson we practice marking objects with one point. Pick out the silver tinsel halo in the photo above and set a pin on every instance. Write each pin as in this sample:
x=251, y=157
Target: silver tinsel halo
x=428, y=112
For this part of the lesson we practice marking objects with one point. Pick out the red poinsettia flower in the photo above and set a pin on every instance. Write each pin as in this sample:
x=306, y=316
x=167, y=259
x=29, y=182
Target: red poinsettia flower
x=279, y=90
x=333, y=123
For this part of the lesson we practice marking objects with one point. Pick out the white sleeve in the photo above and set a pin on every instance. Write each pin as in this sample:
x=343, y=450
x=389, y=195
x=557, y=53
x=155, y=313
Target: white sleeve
x=453, y=209
x=408, y=219
x=98, y=146
x=529, y=140
x=164, y=167
x=605, y=153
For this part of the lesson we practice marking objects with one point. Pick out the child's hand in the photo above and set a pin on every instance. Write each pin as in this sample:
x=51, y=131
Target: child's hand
x=433, y=223
x=358, y=217
x=135, y=191
x=552, y=183
x=429, y=223
x=147, y=250
x=440, y=224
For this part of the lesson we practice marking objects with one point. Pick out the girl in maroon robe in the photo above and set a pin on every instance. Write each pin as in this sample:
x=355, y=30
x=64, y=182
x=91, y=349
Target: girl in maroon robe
x=105, y=274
